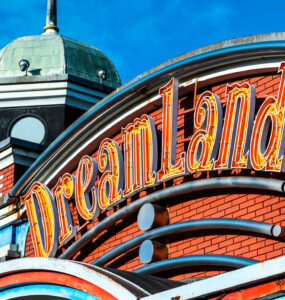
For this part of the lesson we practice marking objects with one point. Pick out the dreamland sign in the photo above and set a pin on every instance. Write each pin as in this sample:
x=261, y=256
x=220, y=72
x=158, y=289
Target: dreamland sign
x=242, y=140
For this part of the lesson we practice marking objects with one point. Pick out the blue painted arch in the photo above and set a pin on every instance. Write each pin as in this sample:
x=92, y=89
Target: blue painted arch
x=50, y=290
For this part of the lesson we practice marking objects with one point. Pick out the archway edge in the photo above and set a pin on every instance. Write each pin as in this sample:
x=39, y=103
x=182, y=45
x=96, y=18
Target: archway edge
x=28, y=278
x=103, y=279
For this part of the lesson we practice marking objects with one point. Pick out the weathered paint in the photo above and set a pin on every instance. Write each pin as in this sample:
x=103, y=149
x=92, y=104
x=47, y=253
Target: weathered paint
x=64, y=280
x=104, y=282
x=227, y=282
x=45, y=290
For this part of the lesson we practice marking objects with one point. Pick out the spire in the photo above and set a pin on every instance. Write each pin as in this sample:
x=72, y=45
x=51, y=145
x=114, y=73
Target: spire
x=51, y=25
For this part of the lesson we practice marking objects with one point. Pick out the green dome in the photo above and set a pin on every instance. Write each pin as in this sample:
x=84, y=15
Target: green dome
x=53, y=54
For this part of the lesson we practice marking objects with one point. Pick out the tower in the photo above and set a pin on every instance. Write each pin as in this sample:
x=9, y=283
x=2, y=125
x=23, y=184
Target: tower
x=46, y=82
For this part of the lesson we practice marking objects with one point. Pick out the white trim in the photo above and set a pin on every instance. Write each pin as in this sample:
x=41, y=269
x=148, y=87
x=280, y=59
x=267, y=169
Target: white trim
x=5, y=153
x=6, y=161
x=12, y=88
x=10, y=219
x=31, y=102
x=5, y=249
x=71, y=268
x=18, y=156
x=45, y=94
x=5, y=210
x=225, y=282
x=32, y=94
x=240, y=69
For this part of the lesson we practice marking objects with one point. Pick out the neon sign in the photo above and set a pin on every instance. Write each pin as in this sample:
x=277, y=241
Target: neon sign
x=204, y=143
x=271, y=111
x=242, y=140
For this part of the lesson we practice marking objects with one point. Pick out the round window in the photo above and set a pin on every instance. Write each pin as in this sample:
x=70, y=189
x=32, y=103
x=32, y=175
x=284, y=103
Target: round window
x=29, y=129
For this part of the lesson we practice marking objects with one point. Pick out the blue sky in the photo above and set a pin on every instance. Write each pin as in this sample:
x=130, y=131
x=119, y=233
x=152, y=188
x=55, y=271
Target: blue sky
x=138, y=35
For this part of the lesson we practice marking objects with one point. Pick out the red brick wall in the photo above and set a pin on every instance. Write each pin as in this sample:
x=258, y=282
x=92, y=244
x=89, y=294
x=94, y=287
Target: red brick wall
x=9, y=176
x=240, y=204
x=7, y=180
x=29, y=250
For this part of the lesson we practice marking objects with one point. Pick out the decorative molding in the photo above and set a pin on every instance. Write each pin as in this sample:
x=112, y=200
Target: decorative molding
x=16, y=154
x=45, y=94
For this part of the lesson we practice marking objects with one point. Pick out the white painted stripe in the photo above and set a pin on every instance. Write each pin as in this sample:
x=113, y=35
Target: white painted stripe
x=226, y=281
x=71, y=268
x=232, y=71
x=5, y=210
x=31, y=94
x=31, y=102
x=16, y=155
x=31, y=87
x=6, y=153
x=54, y=86
x=240, y=70
x=9, y=219
x=6, y=161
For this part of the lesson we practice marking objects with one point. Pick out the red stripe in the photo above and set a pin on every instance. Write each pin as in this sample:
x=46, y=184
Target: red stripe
x=55, y=278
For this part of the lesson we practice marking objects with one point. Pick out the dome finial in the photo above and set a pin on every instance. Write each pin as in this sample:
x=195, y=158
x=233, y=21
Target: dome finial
x=51, y=25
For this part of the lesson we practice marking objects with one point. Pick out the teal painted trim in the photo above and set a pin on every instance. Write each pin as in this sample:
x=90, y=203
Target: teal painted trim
x=15, y=234
x=7, y=235
x=45, y=290
x=21, y=237
x=168, y=70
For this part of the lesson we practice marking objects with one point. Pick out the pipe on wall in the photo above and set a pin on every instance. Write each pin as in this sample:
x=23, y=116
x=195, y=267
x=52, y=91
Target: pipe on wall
x=196, y=260
x=174, y=191
x=192, y=226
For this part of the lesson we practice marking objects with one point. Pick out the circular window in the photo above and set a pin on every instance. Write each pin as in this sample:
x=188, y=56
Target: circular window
x=29, y=129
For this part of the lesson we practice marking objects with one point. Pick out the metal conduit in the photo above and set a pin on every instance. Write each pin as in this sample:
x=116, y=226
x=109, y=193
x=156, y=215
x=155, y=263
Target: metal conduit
x=196, y=260
x=198, y=185
x=62, y=143
x=191, y=226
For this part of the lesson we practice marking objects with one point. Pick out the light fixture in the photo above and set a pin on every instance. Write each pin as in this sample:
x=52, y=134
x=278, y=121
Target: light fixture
x=102, y=74
x=24, y=66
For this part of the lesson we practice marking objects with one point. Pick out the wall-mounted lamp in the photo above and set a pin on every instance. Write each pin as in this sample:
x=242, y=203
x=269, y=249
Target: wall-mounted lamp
x=24, y=66
x=102, y=74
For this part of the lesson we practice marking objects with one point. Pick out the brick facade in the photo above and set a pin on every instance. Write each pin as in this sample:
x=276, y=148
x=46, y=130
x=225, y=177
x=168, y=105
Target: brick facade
x=9, y=176
x=7, y=179
x=238, y=204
